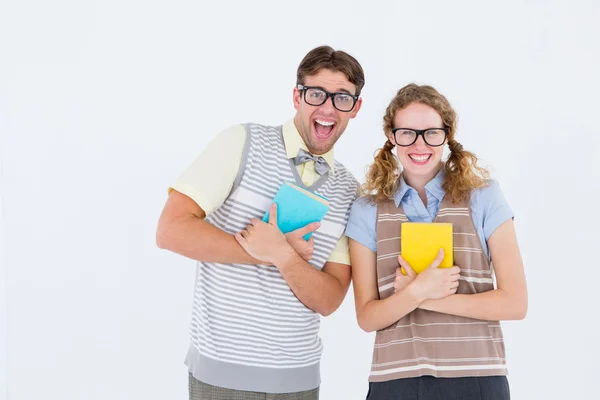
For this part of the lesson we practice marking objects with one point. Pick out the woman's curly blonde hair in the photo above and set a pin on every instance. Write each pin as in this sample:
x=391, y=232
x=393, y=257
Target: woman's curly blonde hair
x=462, y=172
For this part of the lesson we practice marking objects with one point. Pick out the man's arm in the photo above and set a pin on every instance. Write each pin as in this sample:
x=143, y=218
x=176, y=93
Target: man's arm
x=321, y=291
x=199, y=190
x=183, y=230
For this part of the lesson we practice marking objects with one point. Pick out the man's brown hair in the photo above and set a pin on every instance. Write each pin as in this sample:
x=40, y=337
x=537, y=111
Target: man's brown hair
x=325, y=57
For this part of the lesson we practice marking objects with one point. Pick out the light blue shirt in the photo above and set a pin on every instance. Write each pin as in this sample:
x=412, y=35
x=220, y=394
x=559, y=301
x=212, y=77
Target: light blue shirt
x=489, y=210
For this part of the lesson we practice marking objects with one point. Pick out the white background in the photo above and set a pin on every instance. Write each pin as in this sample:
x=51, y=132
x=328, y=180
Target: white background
x=103, y=104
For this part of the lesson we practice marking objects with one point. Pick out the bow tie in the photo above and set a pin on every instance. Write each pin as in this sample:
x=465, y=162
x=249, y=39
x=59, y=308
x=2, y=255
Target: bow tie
x=321, y=165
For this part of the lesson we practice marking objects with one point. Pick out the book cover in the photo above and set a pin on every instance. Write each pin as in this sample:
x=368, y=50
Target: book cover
x=297, y=207
x=421, y=242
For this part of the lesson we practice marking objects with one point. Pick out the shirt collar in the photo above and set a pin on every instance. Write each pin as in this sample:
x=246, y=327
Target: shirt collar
x=433, y=187
x=403, y=189
x=294, y=142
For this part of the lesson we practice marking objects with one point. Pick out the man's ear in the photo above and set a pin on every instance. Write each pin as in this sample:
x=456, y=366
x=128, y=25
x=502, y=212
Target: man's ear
x=356, y=107
x=297, y=98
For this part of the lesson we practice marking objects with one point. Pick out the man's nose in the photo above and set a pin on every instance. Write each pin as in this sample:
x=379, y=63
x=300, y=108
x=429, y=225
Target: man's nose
x=328, y=106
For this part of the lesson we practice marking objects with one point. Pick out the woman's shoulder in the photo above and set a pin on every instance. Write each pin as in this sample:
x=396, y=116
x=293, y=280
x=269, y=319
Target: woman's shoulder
x=362, y=222
x=490, y=208
x=364, y=205
x=489, y=194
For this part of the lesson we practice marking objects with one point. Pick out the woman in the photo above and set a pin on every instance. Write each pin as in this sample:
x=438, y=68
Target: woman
x=438, y=335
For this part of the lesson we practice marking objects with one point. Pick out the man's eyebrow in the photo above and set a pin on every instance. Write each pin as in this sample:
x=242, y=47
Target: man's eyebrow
x=342, y=90
x=339, y=90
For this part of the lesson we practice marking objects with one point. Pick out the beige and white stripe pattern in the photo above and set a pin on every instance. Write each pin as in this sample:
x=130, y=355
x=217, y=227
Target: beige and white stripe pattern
x=431, y=343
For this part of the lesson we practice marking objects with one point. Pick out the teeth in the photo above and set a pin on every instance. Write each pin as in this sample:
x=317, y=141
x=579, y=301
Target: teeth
x=324, y=123
x=420, y=158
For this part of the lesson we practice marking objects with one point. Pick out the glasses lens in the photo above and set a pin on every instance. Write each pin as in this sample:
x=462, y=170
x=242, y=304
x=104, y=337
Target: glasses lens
x=315, y=97
x=435, y=137
x=343, y=102
x=405, y=137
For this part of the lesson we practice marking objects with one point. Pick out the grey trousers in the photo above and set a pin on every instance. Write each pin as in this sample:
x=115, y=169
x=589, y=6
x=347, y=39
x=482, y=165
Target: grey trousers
x=203, y=391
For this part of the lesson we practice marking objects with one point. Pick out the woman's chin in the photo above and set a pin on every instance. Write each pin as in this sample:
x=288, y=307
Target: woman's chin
x=428, y=169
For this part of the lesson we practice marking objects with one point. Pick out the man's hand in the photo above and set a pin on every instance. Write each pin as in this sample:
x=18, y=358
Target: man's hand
x=303, y=247
x=263, y=240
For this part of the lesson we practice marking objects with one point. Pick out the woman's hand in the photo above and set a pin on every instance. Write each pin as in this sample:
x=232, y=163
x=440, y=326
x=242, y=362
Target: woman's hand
x=433, y=282
x=402, y=280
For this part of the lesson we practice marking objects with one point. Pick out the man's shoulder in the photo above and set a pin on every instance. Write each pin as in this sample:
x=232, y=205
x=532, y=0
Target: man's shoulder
x=344, y=173
x=254, y=126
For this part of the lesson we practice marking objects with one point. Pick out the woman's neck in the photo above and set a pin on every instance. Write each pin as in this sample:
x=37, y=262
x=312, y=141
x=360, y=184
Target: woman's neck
x=419, y=182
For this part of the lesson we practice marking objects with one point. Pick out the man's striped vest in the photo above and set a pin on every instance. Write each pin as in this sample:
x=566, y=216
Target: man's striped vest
x=248, y=329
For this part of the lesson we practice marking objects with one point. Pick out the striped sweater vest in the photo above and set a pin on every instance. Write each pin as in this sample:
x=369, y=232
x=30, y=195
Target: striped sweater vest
x=248, y=329
x=426, y=342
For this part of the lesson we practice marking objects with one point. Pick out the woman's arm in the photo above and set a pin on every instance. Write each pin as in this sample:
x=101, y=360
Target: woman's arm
x=509, y=300
x=374, y=314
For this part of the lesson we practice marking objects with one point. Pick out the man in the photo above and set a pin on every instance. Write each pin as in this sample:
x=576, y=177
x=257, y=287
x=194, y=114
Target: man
x=257, y=300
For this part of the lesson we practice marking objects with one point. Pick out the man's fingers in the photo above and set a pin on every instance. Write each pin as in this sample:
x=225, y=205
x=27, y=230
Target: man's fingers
x=240, y=239
x=300, y=232
x=273, y=214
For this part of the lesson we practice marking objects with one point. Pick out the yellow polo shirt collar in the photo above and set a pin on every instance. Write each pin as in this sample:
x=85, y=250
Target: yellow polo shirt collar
x=293, y=142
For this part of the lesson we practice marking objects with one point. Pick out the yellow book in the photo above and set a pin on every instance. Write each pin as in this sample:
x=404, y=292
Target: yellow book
x=421, y=242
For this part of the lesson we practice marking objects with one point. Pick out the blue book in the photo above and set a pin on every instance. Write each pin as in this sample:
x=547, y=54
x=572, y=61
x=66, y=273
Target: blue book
x=297, y=207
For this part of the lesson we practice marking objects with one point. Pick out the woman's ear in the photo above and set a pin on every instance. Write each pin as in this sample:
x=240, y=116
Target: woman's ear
x=390, y=137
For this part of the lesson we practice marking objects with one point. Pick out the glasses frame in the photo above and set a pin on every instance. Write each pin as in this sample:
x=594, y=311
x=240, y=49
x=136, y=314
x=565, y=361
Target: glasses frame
x=304, y=89
x=420, y=132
